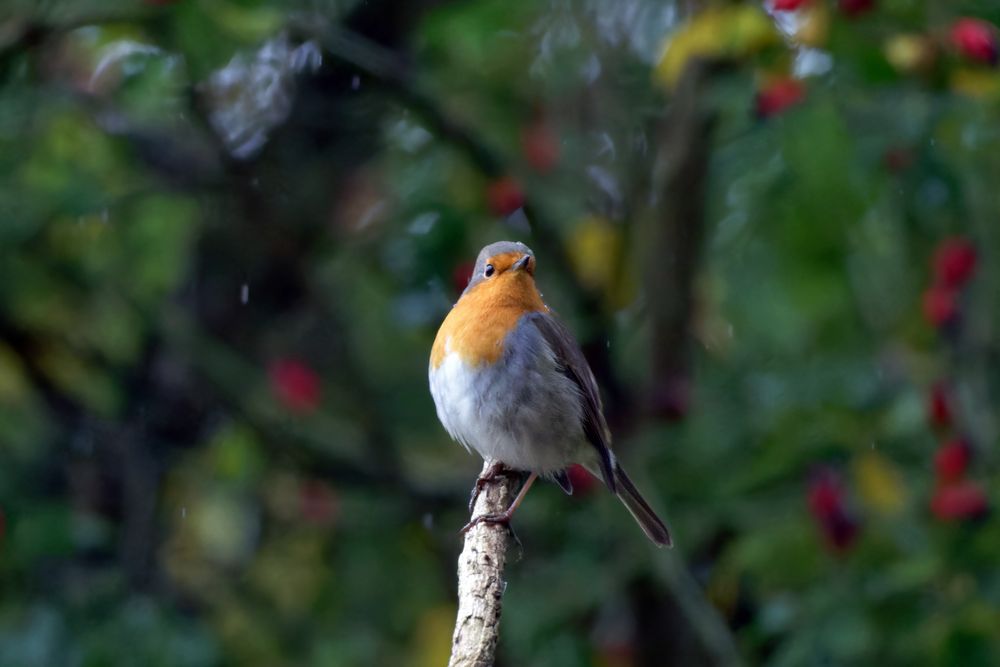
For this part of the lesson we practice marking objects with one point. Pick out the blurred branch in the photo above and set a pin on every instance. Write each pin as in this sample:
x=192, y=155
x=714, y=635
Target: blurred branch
x=480, y=577
x=676, y=234
x=711, y=635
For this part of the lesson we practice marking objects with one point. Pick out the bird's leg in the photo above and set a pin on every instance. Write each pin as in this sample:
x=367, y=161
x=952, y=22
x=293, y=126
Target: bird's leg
x=503, y=518
x=496, y=470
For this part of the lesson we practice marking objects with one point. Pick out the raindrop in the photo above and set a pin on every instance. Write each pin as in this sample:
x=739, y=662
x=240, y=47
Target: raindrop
x=104, y=216
x=245, y=294
x=355, y=82
x=184, y=512
x=428, y=520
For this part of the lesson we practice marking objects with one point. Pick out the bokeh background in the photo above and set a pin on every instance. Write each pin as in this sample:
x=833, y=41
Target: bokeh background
x=230, y=228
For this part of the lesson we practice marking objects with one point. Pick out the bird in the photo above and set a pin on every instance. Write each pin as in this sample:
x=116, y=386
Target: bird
x=510, y=381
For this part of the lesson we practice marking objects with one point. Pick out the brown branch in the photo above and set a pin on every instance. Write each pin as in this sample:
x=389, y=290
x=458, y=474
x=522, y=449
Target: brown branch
x=676, y=234
x=480, y=578
x=711, y=640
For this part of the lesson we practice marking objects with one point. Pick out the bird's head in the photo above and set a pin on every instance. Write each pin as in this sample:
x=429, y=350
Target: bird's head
x=503, y=265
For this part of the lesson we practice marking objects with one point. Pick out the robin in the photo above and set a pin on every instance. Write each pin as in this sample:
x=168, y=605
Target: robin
x=510, y=381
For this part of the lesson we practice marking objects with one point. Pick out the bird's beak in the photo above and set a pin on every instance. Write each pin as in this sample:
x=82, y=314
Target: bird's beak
x=522, y=263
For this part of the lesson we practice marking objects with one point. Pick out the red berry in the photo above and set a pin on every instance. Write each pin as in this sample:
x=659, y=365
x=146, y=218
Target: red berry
x=778, y=96
x=825, y=495
x=939, y=406
x=826, y=503
x=504, y=196
x=940, y=306
x=583, y=482
x=975, y=40
x=855, y=7
x=840, y=531
x=952, y=460
x=964, y=500
x=295, y=385
x=954, y=262
x=461, y=275
x=788, y=5
x=540, y=146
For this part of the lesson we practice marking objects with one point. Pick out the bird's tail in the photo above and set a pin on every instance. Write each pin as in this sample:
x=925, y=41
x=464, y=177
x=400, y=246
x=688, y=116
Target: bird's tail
x=640, y=509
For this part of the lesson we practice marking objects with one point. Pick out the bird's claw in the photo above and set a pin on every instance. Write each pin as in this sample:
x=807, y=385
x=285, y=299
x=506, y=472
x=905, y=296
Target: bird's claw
x=494, y=471
x=501, y=519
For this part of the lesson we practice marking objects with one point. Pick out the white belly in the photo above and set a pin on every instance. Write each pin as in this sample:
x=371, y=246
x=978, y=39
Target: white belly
x=522, y=411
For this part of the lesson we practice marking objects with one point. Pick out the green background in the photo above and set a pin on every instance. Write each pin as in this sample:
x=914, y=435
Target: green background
x=197, y=195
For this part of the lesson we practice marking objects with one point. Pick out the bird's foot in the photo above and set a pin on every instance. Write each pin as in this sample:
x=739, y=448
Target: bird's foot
x=500, y=519
x=496, y=470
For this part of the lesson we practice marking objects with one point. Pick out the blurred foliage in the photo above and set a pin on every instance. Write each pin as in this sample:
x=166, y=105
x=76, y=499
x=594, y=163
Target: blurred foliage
x=230, y=229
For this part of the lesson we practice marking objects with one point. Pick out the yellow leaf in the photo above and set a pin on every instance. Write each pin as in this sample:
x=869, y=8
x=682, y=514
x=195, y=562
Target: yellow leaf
x=432, y=639
x=909, y=53
x=595, y=249
x=879, y=483
x=979, y=83
x=813, y=25
x=732, y=31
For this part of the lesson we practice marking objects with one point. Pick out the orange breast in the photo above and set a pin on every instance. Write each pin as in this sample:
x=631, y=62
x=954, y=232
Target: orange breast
x=478, y=324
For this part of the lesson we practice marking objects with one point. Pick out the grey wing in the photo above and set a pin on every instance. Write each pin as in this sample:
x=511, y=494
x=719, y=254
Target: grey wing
x=575, y=366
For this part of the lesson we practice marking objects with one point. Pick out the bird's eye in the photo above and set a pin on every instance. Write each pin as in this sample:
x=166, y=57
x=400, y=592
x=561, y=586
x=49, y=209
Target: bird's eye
x=489, y=270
